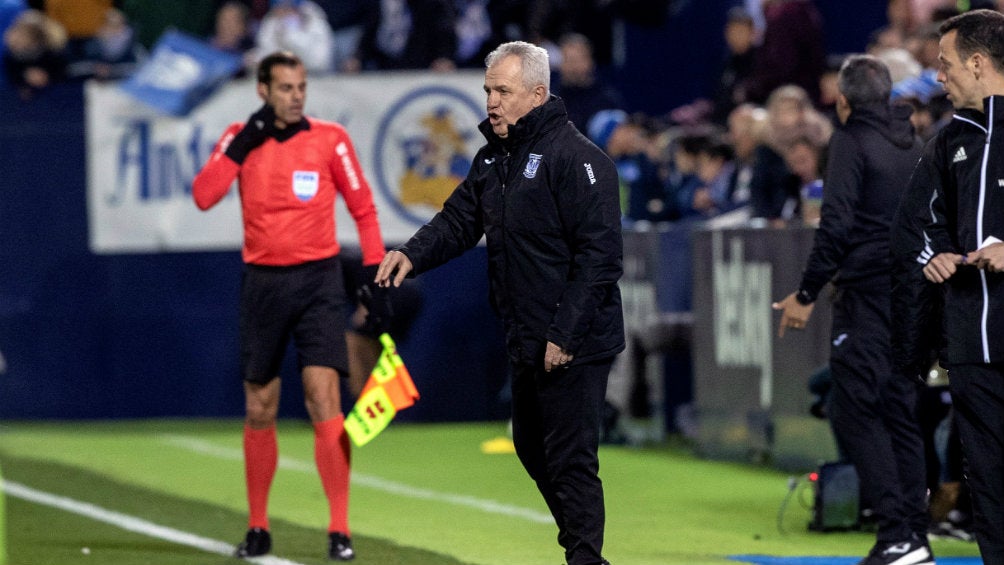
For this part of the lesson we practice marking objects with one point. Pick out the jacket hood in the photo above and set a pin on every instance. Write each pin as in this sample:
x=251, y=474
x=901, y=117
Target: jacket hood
x=893, y=122
x=541, y=119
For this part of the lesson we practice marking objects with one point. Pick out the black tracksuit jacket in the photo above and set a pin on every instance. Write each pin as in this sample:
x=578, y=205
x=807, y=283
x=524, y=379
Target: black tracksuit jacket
x=870, y=160
x=546, y=199
x=963, y=170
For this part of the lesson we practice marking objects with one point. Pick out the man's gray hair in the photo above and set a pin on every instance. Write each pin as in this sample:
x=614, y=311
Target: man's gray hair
x=536, y=67
x=864, y=79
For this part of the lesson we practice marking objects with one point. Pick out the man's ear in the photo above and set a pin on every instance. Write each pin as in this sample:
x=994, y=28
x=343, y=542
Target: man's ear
x=843, y=108
x=978, y=64
x=539, y=95
x=262, y=91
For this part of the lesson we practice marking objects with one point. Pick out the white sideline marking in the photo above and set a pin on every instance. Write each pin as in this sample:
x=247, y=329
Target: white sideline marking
x=490, y=506
x=132, y=523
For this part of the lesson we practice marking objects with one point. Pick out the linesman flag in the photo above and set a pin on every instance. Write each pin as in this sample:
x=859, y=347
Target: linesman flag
x=388, y=391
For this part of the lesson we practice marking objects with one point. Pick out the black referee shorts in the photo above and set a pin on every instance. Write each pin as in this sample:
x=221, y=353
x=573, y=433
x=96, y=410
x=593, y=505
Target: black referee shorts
x=304, y=302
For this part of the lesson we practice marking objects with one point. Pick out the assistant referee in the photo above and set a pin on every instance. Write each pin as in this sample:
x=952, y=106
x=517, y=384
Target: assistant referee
x=289, y=168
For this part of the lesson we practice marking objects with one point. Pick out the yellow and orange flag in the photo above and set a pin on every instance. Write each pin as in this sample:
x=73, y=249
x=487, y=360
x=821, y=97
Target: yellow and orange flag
x=388, y=391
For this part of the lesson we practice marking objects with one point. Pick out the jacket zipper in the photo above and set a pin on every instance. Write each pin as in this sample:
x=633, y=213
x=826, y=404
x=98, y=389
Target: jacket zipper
x=979, y=231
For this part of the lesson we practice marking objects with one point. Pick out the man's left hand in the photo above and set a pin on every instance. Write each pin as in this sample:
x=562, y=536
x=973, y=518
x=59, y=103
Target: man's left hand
x=989, y=258
x=793, y=314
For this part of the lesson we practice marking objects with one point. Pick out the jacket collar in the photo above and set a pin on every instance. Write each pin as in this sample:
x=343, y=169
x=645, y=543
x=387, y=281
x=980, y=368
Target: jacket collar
x=536, y=122
x=991, y=104
x=291, y=129
x=993, y=107
x=893, y=122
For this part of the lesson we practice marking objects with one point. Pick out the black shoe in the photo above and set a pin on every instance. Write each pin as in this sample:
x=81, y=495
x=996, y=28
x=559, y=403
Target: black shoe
x=340, y=547
x=948, y=530
x=913, y=551
x=257, y=542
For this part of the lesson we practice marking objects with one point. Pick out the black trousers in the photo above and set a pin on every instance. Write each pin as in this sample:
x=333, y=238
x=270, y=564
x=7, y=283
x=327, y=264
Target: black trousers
x=978, y=400
x=873, y=411
x=556, y=420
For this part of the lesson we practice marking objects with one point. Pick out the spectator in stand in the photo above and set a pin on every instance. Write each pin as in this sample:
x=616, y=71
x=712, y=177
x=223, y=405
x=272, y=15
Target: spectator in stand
x=112, y=53
x=299, y=26
x=715, y=167
x=682, y=180
x=828, y=91
x=80, y=18
x=902, y=65
x=577, y=84
x=804, y=159
x=792, y=51
x=902, y=24
x=740, y=39
x=774, y=189
x=407, y=34
x=745, y=129
x=643, y=198
x=32, y=56
x=347, y=20
x=232, y=33
x=474, y=30
x=923, y=46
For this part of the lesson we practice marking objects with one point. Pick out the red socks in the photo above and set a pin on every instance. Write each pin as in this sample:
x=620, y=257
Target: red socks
x=261, y=457
x=333, y=454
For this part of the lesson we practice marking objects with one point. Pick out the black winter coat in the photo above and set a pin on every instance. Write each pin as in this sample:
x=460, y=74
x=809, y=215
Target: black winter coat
x=870, y=160
x=547, y=202
x=963, y=169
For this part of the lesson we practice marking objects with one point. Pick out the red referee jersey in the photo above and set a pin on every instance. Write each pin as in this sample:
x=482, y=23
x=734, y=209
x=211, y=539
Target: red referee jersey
x=288, y=194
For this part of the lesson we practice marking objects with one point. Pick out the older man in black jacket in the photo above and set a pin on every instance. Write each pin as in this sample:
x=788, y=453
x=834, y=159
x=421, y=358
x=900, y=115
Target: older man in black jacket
x=872, y=407
x=546, y=199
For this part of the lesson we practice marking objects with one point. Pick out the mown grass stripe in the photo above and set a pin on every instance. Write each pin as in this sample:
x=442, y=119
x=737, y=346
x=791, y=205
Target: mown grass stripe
x=490, y=506
x=131, y=523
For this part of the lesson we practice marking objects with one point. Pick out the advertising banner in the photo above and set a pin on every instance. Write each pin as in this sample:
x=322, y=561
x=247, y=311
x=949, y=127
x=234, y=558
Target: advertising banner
x=415, y=134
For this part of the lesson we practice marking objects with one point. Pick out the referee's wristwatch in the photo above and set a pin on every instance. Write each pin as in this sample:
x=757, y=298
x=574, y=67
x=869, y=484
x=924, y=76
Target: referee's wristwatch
x=803, y=297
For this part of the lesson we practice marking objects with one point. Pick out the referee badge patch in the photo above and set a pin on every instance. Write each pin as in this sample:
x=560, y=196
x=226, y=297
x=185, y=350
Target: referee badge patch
x=305, y=184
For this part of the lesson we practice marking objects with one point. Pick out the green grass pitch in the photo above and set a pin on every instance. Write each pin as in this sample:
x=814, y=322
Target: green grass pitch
x=422, y=494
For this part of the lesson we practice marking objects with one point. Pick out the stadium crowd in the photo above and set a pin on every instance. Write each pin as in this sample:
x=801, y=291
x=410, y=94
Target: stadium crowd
x=751, y=152
x=752, y=148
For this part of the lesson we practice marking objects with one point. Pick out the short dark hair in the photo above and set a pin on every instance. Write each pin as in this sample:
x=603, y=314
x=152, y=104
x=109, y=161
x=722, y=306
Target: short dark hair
x=979, y=31
x=864, y=79
x=285, y=58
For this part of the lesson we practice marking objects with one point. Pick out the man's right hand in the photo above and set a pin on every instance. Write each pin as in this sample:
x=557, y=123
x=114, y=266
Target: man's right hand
x=942, y=266
x=258, y=128
x=393, y=269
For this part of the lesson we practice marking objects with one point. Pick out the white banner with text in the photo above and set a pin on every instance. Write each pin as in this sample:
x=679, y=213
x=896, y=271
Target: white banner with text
x=415, y=134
